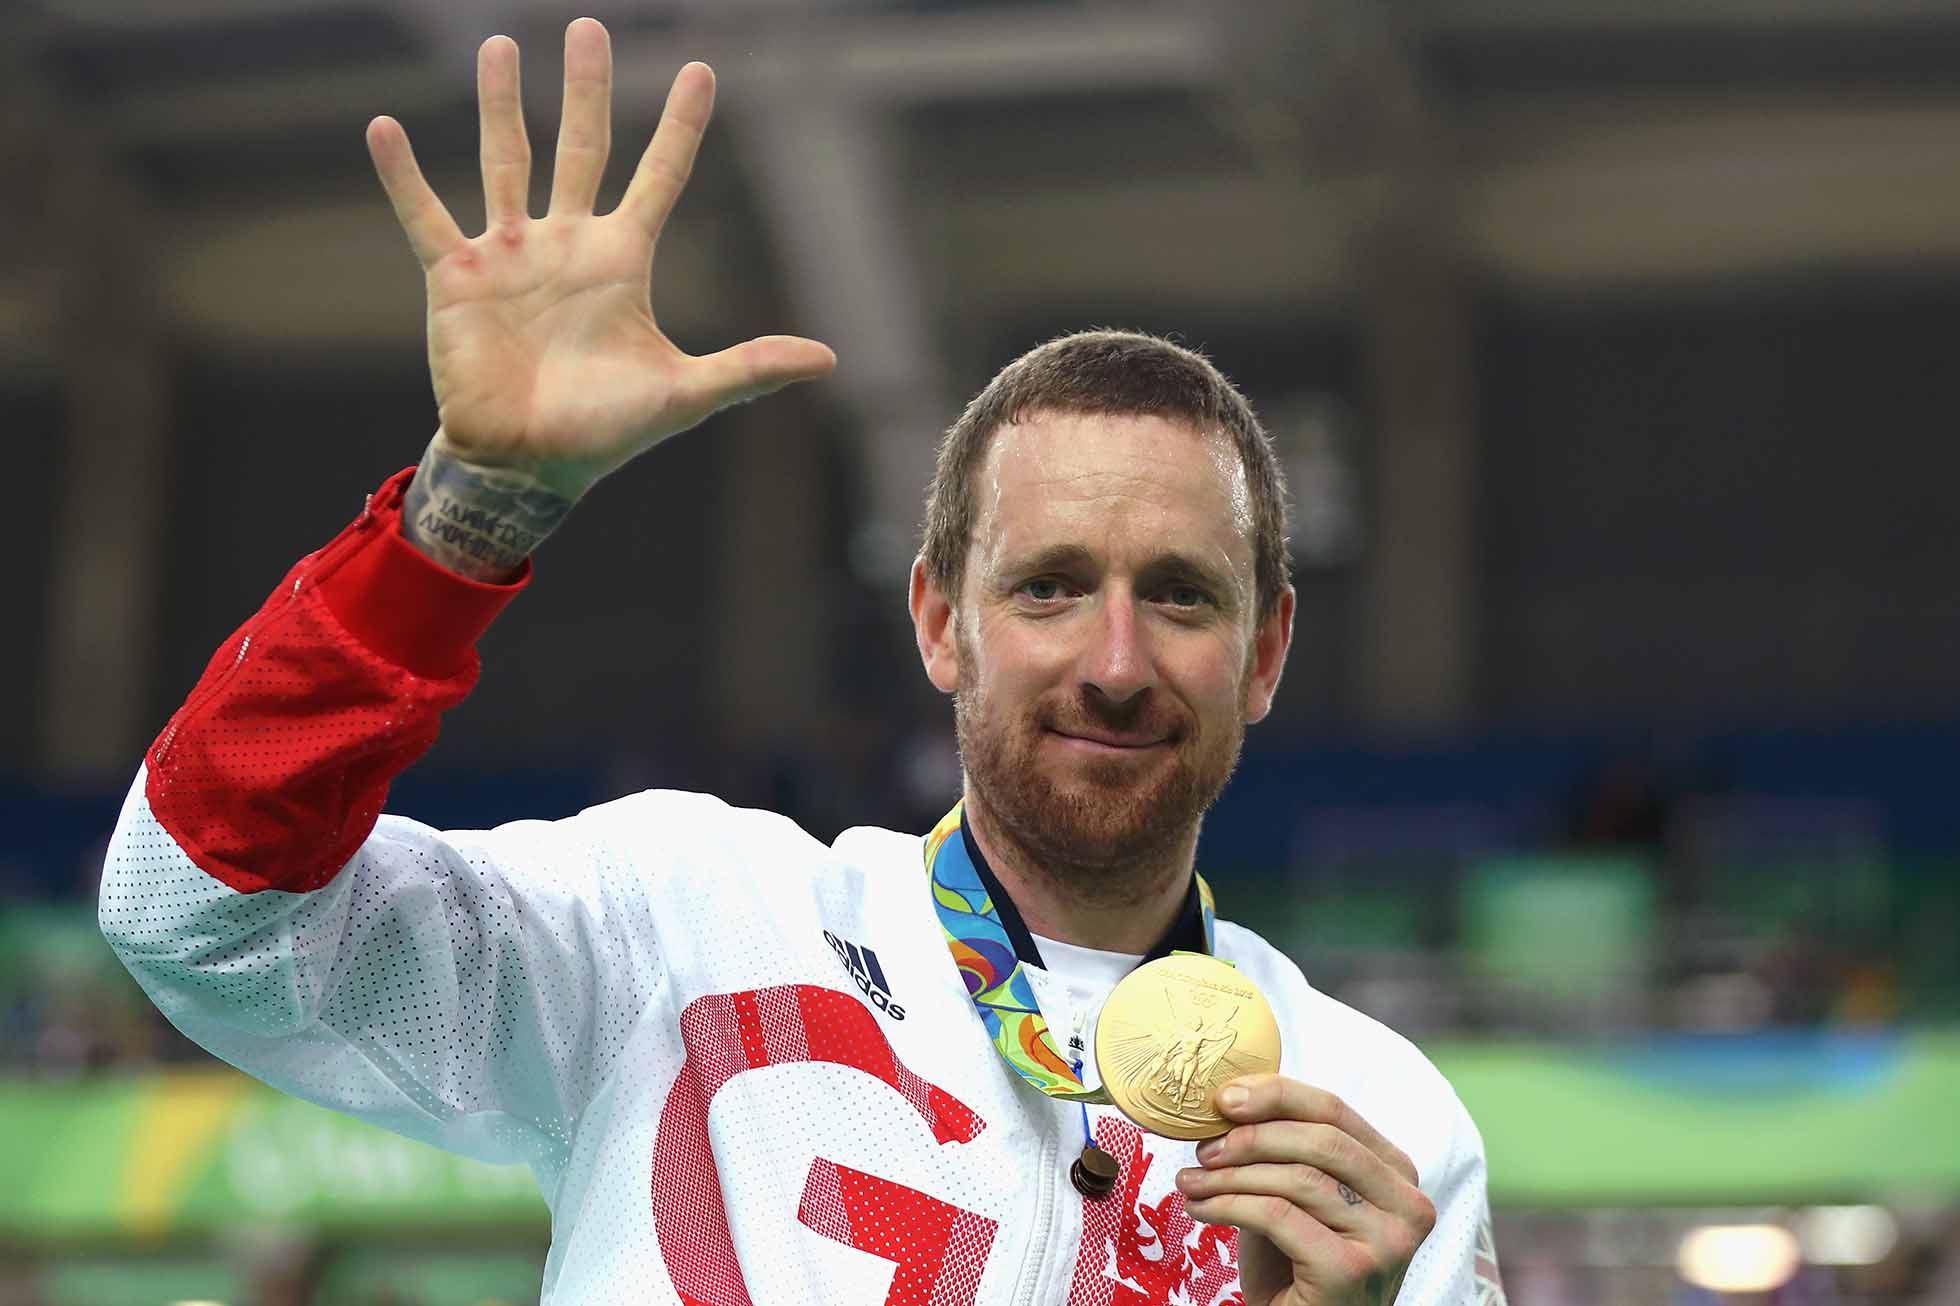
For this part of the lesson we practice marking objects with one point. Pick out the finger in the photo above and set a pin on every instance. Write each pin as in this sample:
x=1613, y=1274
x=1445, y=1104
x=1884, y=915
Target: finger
x=669, y=157
x=585, y=125
x=504, y=149
x=431, y=231
x=1299, y=1237
x=1314, y=1191
x=748, y=371
x=1337, y=1154
x=1276, y=1097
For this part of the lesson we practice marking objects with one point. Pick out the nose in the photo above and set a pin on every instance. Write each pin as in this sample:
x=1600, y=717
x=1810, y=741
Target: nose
x=1119, y=666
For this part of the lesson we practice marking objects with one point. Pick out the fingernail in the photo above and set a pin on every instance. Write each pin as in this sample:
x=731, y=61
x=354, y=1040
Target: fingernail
x=1185, y=1178
x=1208, y=1151
x=1233, y=1096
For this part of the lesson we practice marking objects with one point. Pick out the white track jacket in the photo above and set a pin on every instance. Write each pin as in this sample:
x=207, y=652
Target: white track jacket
x=741, y=1063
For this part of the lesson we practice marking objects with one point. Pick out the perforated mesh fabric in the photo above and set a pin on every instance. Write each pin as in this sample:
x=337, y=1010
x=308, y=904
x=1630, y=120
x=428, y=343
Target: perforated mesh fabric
x=643, y=1003
x=276, y=767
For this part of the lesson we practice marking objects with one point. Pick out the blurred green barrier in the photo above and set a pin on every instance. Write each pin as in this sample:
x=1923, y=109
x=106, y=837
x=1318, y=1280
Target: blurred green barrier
x=426, y=1278
x=144, y=1281
x=1744, y=1119
x=196, y=1151
x=346, y=1276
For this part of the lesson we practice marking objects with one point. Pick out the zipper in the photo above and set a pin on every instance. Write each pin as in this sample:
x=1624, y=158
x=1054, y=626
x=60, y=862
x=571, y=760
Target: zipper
x=1036, y=1260
x=1052, y=1123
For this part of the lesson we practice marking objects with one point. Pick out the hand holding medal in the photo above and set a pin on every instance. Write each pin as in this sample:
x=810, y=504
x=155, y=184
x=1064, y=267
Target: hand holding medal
x=1328, y=1209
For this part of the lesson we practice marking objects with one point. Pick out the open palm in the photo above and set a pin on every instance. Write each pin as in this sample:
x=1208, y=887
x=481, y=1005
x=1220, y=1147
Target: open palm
x=542, y=342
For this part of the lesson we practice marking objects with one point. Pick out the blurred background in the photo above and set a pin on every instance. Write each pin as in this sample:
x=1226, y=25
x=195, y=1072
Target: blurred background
x=1608, y=344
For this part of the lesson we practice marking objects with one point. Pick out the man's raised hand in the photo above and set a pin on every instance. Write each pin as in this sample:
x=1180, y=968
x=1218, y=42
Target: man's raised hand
x=549, y=368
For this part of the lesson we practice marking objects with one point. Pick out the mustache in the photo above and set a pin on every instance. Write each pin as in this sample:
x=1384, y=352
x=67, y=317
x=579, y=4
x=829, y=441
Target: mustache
x=1142, y=715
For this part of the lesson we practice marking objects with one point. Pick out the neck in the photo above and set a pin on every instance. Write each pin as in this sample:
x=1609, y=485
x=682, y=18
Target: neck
x=1124, y=909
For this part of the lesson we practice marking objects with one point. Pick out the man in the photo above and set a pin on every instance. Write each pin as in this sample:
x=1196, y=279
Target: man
x=742, y=1065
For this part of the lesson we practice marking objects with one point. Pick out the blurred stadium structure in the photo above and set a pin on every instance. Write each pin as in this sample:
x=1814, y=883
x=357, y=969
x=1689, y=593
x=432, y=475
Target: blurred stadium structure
x=1610, y=344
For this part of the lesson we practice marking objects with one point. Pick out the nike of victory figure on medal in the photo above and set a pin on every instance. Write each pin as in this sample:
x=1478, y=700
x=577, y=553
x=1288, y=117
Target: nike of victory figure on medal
x=1175, y=1030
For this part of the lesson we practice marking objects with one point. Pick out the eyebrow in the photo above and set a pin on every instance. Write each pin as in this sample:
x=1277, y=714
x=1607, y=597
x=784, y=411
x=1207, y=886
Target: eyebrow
x=1056, y=557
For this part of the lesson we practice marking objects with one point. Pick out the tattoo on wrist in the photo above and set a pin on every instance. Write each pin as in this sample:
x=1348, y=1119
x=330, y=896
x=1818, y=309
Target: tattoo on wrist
x=480, y=522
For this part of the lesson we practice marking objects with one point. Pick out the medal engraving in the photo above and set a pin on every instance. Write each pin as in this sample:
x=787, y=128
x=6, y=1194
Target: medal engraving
x=1172, y=1033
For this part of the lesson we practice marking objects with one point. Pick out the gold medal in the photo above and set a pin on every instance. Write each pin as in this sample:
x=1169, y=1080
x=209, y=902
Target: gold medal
x=1172, y=1033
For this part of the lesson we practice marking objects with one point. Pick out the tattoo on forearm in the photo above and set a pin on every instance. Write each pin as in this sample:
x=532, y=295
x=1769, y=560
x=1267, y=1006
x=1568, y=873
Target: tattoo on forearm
x=1348, y=1195
x=480, y=522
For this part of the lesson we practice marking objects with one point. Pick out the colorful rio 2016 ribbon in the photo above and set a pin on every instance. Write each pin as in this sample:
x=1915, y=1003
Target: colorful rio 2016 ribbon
x=995, y=979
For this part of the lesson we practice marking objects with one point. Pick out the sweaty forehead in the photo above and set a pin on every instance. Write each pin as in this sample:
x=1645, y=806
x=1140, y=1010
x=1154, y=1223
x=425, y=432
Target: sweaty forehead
x=1115, y=482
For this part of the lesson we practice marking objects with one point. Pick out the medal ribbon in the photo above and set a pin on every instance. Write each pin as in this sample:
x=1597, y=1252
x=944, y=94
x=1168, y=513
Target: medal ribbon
x=995, y=979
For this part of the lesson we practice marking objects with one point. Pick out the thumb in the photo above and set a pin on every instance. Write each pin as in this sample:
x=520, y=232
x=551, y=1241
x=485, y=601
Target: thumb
x=756, y=367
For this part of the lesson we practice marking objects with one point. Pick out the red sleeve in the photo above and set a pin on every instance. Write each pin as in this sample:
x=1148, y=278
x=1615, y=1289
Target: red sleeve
x=274, y=771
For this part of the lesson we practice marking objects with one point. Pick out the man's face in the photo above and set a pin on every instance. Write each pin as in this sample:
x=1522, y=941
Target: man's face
x=1105, y=650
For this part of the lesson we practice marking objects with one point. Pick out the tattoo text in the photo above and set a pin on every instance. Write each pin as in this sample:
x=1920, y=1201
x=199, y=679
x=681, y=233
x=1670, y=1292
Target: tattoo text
x=480, y=522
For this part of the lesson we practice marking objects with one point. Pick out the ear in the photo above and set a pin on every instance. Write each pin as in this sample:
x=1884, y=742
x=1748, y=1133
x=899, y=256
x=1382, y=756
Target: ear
x=1269, y=645
x=932, y=626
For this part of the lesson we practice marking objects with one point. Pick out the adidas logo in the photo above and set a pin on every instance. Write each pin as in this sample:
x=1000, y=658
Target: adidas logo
x=866, y=973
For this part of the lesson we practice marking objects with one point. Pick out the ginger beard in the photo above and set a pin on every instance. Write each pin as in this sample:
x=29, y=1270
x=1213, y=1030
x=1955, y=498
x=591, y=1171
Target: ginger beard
x=1089, y=822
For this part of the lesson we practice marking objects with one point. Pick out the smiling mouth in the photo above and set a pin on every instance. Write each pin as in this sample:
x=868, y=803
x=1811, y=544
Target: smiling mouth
x=1109, y=743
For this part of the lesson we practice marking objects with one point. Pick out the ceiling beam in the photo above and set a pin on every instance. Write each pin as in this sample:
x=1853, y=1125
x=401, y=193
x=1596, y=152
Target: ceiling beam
x=279, y=102
x=1497, y=17
x=1566, y=198
x=1573, y=200
x=885, y=60
x=1563, y=199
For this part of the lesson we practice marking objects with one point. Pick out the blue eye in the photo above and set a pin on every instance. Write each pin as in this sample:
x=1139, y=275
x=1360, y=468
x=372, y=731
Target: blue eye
x=1186, y=596
x=1042, y=588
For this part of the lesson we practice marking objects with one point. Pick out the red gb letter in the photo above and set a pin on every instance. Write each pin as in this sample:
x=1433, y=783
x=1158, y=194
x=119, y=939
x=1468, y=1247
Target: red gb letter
x=940, y=1248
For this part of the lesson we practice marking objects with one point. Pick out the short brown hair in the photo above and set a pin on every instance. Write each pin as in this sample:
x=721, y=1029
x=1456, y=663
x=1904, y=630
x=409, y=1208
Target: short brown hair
x=1109, y=373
